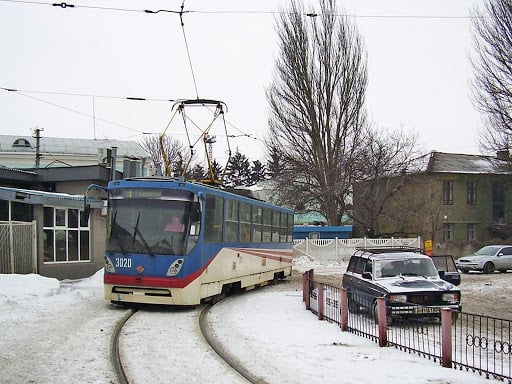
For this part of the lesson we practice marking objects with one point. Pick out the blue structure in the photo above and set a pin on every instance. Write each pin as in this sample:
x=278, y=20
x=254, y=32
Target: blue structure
x=322, y=232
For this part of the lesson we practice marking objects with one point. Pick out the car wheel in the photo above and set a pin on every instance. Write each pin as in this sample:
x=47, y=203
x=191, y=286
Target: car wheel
x=353, y=306
x=488, y=267
x=375, y=316
x=502, y=271
x=464, y=270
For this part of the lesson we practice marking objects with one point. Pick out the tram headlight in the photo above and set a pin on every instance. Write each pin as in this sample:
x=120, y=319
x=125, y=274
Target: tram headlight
x=109, y=266
x=175, y=267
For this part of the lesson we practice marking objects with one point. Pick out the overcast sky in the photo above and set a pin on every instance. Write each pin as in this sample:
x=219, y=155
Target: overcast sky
x=419, y=71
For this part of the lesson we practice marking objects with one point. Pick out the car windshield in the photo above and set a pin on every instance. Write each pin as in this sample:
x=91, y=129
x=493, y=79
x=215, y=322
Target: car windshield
x=487, y=251
x=406, y=267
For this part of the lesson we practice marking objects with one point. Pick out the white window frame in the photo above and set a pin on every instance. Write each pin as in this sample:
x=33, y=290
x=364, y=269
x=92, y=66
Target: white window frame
x=79, y=229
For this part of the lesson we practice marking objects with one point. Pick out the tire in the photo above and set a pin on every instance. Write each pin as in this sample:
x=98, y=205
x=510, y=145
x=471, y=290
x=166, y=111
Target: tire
x=464, y=270
x=375, y=316
x=353, y=306
x=488, y=267
x=502, y=271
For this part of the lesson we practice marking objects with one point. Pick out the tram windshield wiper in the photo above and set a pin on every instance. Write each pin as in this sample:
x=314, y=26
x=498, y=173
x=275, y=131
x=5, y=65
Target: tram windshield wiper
x=136, y=231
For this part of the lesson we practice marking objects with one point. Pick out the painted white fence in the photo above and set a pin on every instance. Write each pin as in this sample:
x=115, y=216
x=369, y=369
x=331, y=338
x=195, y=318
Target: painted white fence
x=18, y=247
x=338, y=250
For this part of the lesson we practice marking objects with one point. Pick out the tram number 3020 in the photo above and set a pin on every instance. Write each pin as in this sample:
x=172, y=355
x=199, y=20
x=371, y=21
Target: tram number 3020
x=123, y=262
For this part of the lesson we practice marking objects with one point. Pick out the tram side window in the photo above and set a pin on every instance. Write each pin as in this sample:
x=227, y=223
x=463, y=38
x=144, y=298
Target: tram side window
x=257, y=213
x=231, y=221
x=283, y=228
x=213, y=219
x=267, y=225
x=276, y=220
x=245, y=222
x=290, y=227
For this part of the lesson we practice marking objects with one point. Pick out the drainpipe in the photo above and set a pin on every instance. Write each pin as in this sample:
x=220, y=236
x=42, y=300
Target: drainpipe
x=113, y=161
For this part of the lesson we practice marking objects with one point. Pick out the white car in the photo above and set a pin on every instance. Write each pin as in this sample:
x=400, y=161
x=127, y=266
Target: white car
x=487, y=259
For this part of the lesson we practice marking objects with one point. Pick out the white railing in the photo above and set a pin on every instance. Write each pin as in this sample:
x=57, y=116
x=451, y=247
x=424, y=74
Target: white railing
x=338, y=250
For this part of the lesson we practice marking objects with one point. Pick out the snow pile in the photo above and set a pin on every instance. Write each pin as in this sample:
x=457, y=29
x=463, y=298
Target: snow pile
x=60, y=333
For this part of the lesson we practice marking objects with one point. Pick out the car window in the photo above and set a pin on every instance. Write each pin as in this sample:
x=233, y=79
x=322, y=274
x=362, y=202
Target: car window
x=444, y=263
x=507, y=251
x=360, y=265
x=353, y=263
x=368, y=266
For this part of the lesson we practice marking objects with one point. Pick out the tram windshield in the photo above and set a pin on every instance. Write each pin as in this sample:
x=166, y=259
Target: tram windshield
x=152, y=226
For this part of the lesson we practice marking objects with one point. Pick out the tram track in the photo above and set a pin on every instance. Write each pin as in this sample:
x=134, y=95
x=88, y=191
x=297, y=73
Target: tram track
x=218, y=348
x=115, y=356
x=207, y=334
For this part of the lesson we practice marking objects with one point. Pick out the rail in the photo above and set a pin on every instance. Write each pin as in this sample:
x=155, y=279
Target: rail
x=477, y=343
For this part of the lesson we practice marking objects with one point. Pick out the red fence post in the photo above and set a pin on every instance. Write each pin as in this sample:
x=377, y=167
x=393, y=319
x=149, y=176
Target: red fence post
x=382, y=321
x=304, y=286
x=344, y=309
x=306, y=293
x=320, y=301
x=446, y=337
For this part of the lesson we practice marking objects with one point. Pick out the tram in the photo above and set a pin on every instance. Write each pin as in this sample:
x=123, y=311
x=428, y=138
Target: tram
x=177, y=242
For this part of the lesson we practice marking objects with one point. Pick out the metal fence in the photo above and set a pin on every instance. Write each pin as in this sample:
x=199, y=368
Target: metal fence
x=337, y=250
x=18, y=247
x=462, y=340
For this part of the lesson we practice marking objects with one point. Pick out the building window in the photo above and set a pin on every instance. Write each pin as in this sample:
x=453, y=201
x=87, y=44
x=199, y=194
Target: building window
x=66, y=235
x=4, y=210
x=498, y=202
x=447, y=232
x=471, y=232
x=447, y=192
x=21, y=143
x=471, y=193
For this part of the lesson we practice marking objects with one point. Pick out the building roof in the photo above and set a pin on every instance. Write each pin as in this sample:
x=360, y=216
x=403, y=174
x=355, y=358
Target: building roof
x=439, y=162
x=11, y=143
x=29, y=196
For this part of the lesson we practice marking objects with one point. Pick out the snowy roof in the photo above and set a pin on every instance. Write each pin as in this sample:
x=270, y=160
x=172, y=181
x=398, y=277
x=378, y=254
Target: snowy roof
x=11, y=143
x=439, y=162
x=31, y=196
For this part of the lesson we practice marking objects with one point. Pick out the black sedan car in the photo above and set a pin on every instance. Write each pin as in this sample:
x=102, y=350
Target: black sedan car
x=408, y=280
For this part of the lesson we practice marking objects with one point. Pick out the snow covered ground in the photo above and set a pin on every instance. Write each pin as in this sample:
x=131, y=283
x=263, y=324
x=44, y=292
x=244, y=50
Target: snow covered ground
x=60, y=333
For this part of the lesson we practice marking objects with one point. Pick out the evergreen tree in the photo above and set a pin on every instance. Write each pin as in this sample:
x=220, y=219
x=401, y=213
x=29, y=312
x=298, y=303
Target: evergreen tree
x=238, y=171
x=258, y=172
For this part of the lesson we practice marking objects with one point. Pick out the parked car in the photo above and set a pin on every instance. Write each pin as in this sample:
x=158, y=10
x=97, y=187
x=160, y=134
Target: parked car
x=446, y=268
x=407, y=279
x=487, y=259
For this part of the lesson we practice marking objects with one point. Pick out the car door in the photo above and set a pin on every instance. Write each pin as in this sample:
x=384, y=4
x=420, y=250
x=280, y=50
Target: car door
x=504, y=260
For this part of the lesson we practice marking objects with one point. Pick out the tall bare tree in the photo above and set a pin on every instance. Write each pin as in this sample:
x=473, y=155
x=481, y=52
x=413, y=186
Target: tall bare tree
x=492, y=63
x=382, y=161
x=317, y=107
x=175, y=150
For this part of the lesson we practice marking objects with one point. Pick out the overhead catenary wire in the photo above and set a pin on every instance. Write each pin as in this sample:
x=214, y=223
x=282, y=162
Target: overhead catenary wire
x=64, y=5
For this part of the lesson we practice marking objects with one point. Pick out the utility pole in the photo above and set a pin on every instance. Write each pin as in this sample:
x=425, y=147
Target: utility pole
x=37, y=136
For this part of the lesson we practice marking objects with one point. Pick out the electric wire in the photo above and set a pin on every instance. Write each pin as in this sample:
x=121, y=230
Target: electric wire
x=81, y=113
x=187, y=48
x=134, y=98
x=65, y=5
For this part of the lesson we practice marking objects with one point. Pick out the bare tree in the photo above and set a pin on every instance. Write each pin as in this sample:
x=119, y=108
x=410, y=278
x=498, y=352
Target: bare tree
x=382, y=161
x=492, y=63
x=174, y=149
x=317, y=108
